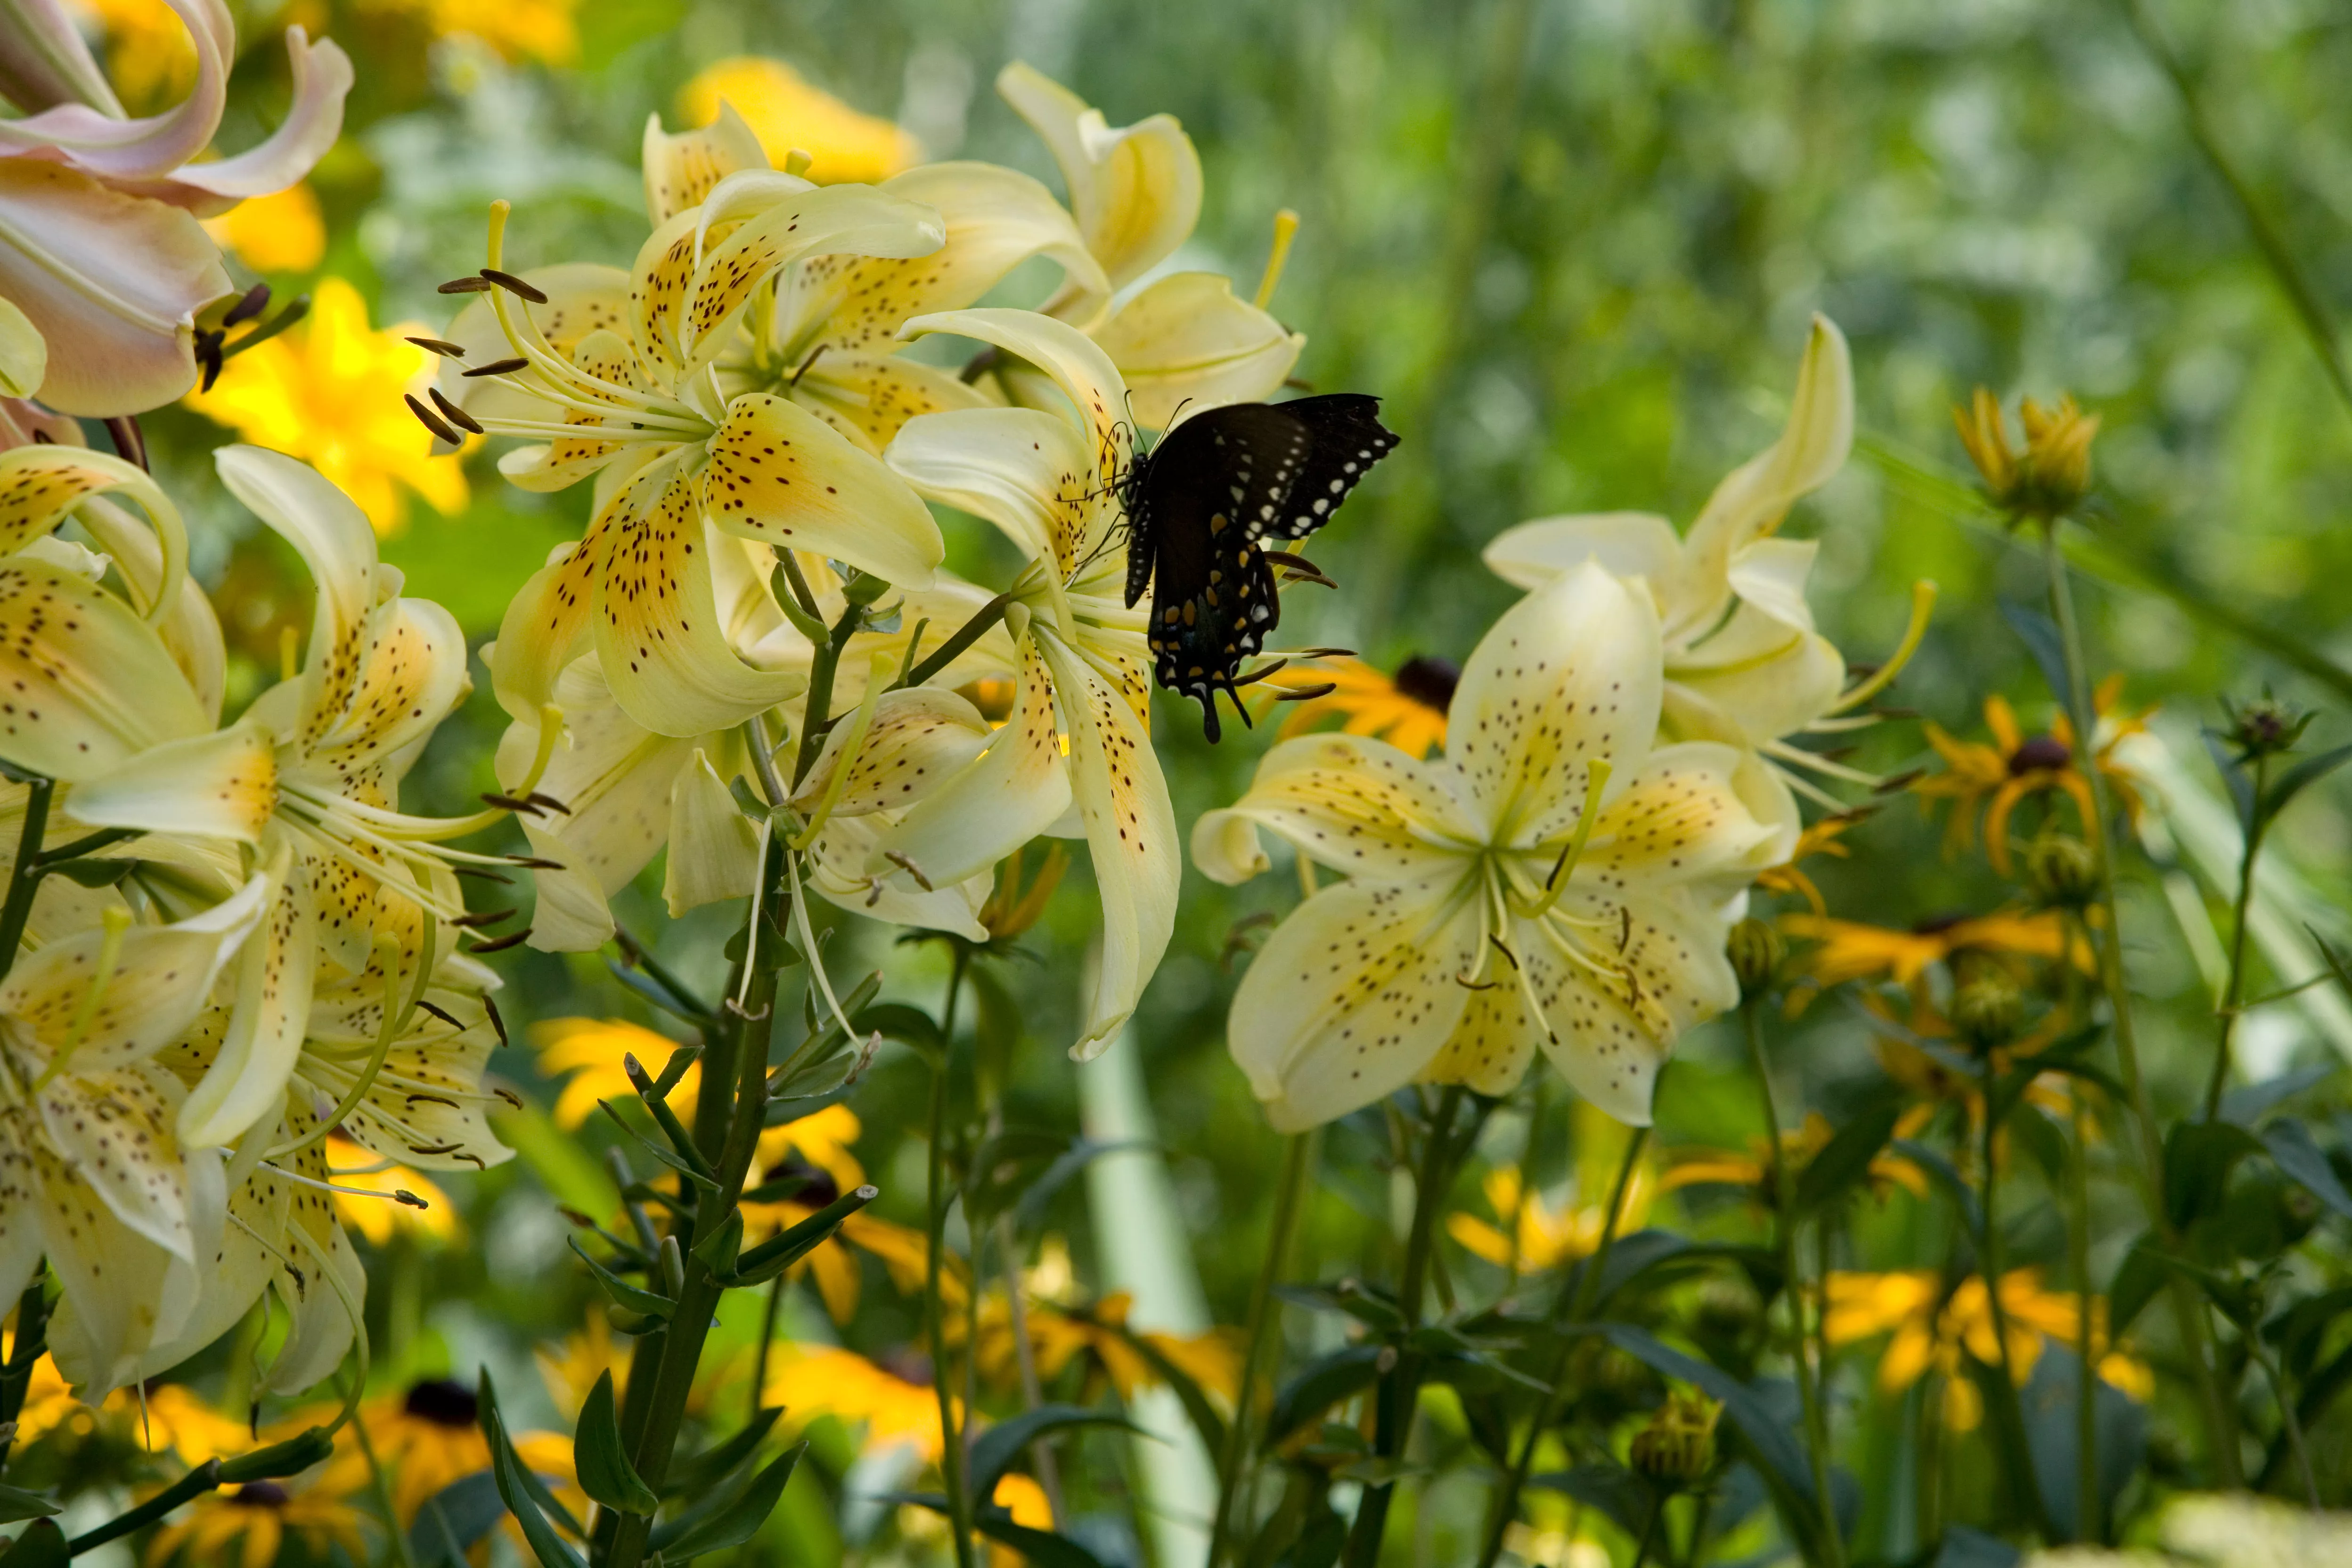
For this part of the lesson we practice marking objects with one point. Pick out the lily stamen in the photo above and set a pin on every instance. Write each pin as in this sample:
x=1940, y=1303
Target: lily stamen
x=1923, y=602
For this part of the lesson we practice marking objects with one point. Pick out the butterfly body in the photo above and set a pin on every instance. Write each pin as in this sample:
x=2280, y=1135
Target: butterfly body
x=1202, y=506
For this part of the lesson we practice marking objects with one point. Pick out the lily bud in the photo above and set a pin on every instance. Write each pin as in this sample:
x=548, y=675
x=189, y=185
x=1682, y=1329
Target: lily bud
x=1676, y=1449
x=1986, y=1011
x=2061, y=871
x=1756, y=951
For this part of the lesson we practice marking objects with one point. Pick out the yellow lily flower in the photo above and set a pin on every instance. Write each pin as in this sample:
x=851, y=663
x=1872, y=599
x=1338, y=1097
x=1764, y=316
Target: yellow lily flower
x=1559, y=880
x=787, y=114
x=1080, y=732
x=1136, y=192
x=1744, y=663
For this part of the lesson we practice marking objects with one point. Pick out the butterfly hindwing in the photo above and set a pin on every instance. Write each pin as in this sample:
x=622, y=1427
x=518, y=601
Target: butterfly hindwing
x=1200, y=504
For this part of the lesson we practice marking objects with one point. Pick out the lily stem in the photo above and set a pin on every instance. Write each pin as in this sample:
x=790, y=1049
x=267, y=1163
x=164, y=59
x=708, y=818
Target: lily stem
x=24, y=875
x=2290, y=1423
x=2234, y=990
x=1400, y=1384
x=951, y=1449
x=2025, y=1486
x=1290, y=1190
x=32, y=1339
x=1784, y=1238
x=1580, y=1289
x=2220, y=1430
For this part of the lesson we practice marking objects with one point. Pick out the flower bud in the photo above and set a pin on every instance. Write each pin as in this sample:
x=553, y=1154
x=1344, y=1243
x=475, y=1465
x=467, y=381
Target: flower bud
x=1986, y=1011
x=1676, y=1449
x=2264, y=727
x=2061, y=871
x=2048, y=477
x=1756, y=951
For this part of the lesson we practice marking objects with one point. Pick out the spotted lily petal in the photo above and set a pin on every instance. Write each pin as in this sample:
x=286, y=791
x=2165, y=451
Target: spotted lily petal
x=1019, y=469
x=681, y=167
x=248, y=1077
x=86, y=683
x=1018, y=788
x=919, y=738
x=1753, y=497
x=714, y=850
x=1136, y=190
x=1630, y=544
x=1355, y=805
x=221, y=786
x=780, y=474
x=1185, y=343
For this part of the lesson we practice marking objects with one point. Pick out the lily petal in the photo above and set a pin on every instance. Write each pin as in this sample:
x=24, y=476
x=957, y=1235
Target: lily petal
x=1017, y=790
x=1354, y=995
x=582, y=298
x=1019, y=469
x=1754, y=496
x=1355, y=805
x=1680, y=821
x=1136, y=190
x=221, y=786
x=919, y=738
x=1185, y=342
x=114, y=1281
x=681, y=167
x=114, y=1130
x=714, y=851
x=780, y=474
x=869, y=397
x=1076, y=363
x=248, y=1077
x=1628, y=543
x=837, y=870
x=1615, y=1008
x=89, y=685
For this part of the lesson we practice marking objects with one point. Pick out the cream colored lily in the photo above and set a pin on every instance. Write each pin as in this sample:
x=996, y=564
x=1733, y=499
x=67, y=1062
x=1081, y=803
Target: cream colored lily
x=100, y=246
x=1136, y=192
x=1556, y=881
x=93, y=1171
x=679, y=461
x=1744, y=663
x=311, y=775
x=1080, y=726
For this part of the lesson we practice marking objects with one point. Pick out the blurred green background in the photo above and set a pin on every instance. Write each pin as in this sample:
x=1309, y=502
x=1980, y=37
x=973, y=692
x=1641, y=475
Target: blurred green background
x=1575, y=244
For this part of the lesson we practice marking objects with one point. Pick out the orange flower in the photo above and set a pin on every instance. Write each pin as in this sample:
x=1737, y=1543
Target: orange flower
x=1850, y=949
x=810, y=1381
x=2017, y=766
x=1821, y=839
x=1407, y=709
x=1099, y=1334
x=1535, y=1236
x=591, y=1049
x=1723, y=1167
x=815, y=1149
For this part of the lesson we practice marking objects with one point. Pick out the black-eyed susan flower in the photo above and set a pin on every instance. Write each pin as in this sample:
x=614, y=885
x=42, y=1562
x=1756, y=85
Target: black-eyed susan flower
x=250, y=1524
x=1990, y=781
x=1531, y=1235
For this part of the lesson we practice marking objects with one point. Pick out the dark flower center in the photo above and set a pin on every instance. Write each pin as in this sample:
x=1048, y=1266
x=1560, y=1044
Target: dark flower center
x=443, y=1403
x=817, y=1186
x=2040, y=754
x=260, y=1494
x=1429, y=680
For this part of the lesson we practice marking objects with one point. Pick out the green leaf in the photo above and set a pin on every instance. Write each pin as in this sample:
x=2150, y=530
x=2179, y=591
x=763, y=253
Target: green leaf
x=2290, y=1144
x=452, y=1521
x=1606, y=1485
x=897, y=1021
x=1763, y=1428
x=1005, y=1164
x=719, y=1249
x=2300, y=777
x=2198, y=1159
x=993, y=1453
x=42, y=1545
x=1321, y=1384
x=780, y=1252
x=1042, y=1548
x=93, y=873
x=291, y=1457
x=624, y=1294
x=1933, y=1162
x=668, y=1157
x=737, y=1522
x=1198, y=1407
x=1369, y=1306
x=1844, y=1159
x=709, y=1469
x=2137, y=1280
x=2041, y=635
x=526, y=1495
x=605, y=1473
x=17, y=1504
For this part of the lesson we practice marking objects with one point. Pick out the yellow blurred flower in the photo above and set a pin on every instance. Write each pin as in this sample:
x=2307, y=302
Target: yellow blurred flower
x=248, y=1525
x=785, y=113
x=1100, y=1335
x=377, y=1218
x=1850, y=949
x=2018, y=767
x=810, y=1381
x=591, y=1049
x=1931, y=1328
x=544, y=30
x=170, y=1418
x=430, y=1436
x=572, y=1368
x=1406, y=709
x=816, y=1149
x=1536, y=1236
x=284, y=233
x=1722, y=1167
x=2046, y=478
x=1821, y=838
x=329, y=391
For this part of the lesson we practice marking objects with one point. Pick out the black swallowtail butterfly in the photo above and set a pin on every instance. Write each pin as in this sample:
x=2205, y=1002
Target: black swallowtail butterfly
x=1201, y=504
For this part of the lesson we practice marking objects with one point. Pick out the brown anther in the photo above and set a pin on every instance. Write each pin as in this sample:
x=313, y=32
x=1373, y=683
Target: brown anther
x=442, y=1013
x=500, y=944
x=514, y=285
x=487, y=918
x=455, y=414
x=534, y=863
x=547, y=801
x=404, y=1195
x=441, y=346
x=255, y=301
x=466, y=286
x=432, y=421
x=497, y=367
x=511, y=803
x=479, y=875
x=1307, y=693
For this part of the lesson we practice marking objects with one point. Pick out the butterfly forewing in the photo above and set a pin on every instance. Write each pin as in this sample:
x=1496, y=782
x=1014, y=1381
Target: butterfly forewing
x=1198, y=507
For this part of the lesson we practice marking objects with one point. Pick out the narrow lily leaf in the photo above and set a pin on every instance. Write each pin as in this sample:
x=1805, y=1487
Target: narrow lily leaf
x=2198, y=1159
x=2039, y=635
x=1845, y=1159
x=1198, y=1408
x=42, y=1545
x=526, y=1495
x=993, y=1453
x=1320, y=1384
x=622, y=1293
x=657, y=1152
x=291, y=1457
x=706, y=1471
x=18, y=1504
x=1041, y=1548
x=2290, y=1144
x=733, y=1524
x=772, y=1257
x=1933, y=1162
x=605, y=1473
x=2300, y=777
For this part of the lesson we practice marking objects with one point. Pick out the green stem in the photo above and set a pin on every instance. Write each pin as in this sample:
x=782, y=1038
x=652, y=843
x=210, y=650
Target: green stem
x=1290, y=1189
x=195, y=1483
x=380, y=1489
x=971, y=632
x=816, y=713
x=951, y=1453
x=1784, y=1238
x=2088, y=1525
x=1579, y=1290
x=734, y=1077
x=1649, y=1530
x=31, y=1339
x=2291, y=1424
x=2234, y=990
x=2220, y=1430
x=24, y=875
x=1400, y=1385
x=2017, y=1460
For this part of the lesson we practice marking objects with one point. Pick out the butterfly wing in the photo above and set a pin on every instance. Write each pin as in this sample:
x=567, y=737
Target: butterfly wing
x=1210, y=486
x=1348, y=438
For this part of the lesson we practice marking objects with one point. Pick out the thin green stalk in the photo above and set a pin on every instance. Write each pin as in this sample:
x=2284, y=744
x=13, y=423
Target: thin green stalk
x=2290, y=1423
x=745, y=1056
x=951, y=1452
x=1649, y=1530
x=767, y=1338
x=2234, y=990
x=2088, y=1525
x=2188, y=1311
x=971, y=632
x=1290, y=1189
x=817, y=709
x=1396, y=1394
x=1579, y=1290
x=1784, y=1238
x=204, y=1478
x=24, y=875
x=1024, y=1356
x=380, y=1489
x=2017, y=1458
